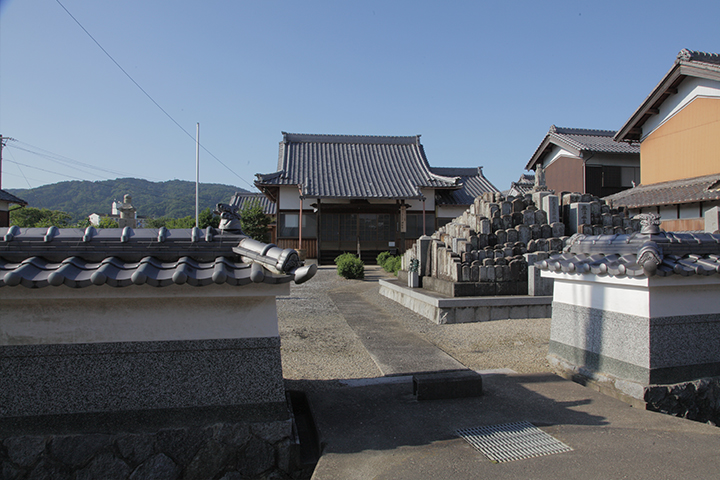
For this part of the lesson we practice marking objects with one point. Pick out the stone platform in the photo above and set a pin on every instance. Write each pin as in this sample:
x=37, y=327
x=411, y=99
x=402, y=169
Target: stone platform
x=441, y=309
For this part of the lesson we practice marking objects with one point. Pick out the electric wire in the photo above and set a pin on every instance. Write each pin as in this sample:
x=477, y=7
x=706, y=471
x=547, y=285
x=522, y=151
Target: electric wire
x=148, y=95
x=19, y=169
x=67, y=161
x=44, y=170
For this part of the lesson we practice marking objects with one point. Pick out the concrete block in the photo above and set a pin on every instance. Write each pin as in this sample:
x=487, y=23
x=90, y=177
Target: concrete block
x=499, y=313
x=712, y=220
x=443, y=385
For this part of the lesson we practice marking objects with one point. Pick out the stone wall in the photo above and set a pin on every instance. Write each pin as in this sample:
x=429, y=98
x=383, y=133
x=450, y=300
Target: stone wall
x=227, y=450
x=698, y=400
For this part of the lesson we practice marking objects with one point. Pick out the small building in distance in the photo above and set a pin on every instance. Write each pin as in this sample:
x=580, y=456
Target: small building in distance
x=586, y=161
x=121, y=212
x=678, y=130
x=243, y=200
x=7, y=199
x=524, y=185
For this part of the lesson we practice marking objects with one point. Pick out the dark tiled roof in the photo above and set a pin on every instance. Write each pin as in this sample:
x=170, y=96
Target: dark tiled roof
x=639, y=254
x=36, y=272
x=347, y=166
x=241, y=200
x=579, y=140
x=525, y=184
x=10, y=198
x=474, y=184
x=687, y=190
x=686, y=55
x=39, y=257
x=688, y=63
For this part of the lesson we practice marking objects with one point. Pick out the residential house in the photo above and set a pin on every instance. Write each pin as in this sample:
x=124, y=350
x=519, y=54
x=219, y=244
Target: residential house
x=586, y=161
x=678, y=129
x=7, y=199
x=353, y=193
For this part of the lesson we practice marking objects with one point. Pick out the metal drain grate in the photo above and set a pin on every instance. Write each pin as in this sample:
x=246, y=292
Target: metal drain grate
x=512, y=441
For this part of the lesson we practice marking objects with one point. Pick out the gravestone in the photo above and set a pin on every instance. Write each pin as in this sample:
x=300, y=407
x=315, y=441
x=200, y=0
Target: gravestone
x=551, y=207
x=579, y=214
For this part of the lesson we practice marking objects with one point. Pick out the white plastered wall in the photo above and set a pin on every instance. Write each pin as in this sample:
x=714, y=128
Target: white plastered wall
x=62, y=315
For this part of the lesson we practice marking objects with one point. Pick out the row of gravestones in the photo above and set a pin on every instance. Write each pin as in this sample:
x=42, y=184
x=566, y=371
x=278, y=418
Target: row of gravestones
x=498, y=227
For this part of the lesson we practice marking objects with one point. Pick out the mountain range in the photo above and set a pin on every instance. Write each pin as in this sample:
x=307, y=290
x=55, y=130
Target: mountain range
x=174, y=198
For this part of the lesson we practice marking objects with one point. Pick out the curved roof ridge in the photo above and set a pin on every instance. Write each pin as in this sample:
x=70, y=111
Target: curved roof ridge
x=687, y=55
x=582, y=131
x=350, y=139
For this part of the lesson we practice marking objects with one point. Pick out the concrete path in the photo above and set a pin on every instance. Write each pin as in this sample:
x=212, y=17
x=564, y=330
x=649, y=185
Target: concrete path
x=374, y=428
x=379, y=431
x=393, y=349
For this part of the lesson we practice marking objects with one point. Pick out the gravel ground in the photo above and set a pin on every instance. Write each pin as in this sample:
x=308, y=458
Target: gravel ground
x=317, y=343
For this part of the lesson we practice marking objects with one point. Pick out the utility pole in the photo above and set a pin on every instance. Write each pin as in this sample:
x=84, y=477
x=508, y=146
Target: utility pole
x=197, y=176
x=3, y=142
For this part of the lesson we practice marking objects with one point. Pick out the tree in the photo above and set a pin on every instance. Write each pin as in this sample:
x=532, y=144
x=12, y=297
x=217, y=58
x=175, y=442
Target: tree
x=254, y=222
x=205, y=219
x=107, y=222
x=28, y=217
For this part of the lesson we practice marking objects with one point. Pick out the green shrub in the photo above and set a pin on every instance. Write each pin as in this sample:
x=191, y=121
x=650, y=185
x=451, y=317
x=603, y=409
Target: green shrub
x=350, y=266
x=382, y=258
x=393, y=264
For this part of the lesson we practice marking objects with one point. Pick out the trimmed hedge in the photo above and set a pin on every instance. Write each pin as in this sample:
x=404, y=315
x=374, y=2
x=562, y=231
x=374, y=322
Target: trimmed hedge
x=390, y=263
x=350, y=266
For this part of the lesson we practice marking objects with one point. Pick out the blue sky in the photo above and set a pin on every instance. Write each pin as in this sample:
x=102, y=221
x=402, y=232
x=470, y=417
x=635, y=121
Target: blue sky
x=481, y=81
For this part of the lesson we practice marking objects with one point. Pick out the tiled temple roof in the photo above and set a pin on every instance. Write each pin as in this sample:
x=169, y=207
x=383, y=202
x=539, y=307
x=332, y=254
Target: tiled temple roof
x=354, y=166
x=650, y=252
x=474, y=184
x=39, y=257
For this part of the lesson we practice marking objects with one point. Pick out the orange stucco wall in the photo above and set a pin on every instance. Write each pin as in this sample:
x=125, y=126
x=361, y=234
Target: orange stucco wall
x=565, y=175
x=686, y=146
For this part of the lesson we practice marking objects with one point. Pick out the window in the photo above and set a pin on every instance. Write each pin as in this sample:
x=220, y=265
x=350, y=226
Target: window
x=288, y=225
x=415, y=225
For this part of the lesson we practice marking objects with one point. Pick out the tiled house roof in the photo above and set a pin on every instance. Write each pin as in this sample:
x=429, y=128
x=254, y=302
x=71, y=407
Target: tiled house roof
x=349, y=166
x=10, y=198
x=688, y=63
x=76, y=258
x=687, y=190
x=525, y=184
x=474, y=184
x=580, y=141
x=241, y=200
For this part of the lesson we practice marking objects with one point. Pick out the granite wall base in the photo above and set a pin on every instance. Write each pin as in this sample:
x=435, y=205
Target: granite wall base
x=639, y=349
x=223, y=447
x=109, y=377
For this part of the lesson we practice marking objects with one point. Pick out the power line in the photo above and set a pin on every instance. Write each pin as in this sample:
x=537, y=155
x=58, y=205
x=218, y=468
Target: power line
x=67, y=161
x=44, y=170
x=147, y=94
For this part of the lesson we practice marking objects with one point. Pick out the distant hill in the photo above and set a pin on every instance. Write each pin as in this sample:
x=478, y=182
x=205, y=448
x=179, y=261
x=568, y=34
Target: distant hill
x=174, y=198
